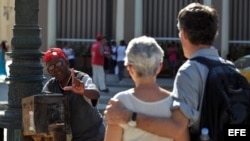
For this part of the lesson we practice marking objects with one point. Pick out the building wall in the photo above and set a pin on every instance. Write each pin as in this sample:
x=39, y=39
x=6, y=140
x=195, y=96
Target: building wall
x=7, y=18
x=159, y=17
x=47, y=22
x=129, y=20
x=78, y=21
x=81, y=19
x=43, y=23
x=239, y=23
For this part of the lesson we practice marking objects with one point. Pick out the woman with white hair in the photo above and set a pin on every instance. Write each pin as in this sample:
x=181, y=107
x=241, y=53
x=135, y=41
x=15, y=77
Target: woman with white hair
x=143, y=60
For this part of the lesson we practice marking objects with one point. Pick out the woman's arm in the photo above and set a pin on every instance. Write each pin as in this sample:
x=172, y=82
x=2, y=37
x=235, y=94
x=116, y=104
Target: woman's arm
x=113, y=133
x=175, y=127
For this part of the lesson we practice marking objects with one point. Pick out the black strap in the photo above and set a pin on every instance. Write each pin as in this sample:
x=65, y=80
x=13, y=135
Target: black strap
x=210, y=63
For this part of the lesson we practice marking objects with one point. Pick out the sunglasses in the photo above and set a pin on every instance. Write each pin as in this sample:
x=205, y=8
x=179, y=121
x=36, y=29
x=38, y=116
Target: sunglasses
x=52, y=67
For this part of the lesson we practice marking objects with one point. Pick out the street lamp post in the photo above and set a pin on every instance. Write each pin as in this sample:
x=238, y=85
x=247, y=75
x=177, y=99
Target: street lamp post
x=26, y=71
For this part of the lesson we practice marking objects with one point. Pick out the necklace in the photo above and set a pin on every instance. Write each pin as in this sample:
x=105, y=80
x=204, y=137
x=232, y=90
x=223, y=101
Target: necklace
x=66, y=83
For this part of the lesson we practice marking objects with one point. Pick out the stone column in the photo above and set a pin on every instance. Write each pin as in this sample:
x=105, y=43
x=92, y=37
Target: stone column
x=47, y=20
x=222, y=40
x=225, y=28
x=26, y=72
x=138, y=18
x=119, y=21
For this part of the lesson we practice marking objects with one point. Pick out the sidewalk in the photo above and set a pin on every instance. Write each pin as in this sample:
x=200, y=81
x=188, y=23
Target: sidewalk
x=112, y=80
x=4, y=88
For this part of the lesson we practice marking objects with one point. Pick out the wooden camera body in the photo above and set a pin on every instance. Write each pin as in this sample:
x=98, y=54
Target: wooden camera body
x=42, y=111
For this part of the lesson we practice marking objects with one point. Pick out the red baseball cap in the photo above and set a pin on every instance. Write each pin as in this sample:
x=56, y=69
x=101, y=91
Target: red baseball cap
x=53, y=53
x=98, y=37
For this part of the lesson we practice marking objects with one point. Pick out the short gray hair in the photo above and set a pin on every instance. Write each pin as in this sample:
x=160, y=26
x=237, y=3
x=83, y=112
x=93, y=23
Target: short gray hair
x=145, y=55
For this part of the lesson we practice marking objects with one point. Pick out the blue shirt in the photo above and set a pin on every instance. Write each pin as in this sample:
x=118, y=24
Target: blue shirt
x=189, y=84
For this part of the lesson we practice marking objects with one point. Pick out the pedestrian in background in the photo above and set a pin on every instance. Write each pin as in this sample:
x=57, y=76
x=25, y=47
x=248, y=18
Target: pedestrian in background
x=70, y=54
x=98, y=54
x=3, y=50
x=113, y=56
x=143, y=60
x=120, y=60
x=172, y=57
x=107, y=54
x=85, y=120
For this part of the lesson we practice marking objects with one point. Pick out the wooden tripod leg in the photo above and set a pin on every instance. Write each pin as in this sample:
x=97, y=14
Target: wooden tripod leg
x=58, y=132
x=37, y=137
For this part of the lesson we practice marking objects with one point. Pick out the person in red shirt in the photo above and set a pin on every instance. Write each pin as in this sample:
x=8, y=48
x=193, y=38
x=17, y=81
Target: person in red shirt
x=97, y=61
x=172, y=56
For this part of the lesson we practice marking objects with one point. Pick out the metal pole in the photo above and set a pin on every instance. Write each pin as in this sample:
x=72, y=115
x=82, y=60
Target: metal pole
x=26, y=72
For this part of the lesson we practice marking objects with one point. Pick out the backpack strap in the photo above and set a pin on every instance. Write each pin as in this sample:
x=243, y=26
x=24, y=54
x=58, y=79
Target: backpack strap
x=236, y=91
x=209, y=63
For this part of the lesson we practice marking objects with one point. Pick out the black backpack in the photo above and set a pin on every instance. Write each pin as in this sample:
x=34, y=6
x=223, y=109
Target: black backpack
x=226, y=100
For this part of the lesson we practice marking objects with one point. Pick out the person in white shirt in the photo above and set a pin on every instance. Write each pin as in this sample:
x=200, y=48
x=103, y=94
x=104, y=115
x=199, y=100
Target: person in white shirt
x=113, y=56
x=120, y=59
x=70, y=54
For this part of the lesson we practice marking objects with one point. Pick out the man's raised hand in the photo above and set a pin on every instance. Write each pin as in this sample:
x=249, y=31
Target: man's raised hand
x=77, y=85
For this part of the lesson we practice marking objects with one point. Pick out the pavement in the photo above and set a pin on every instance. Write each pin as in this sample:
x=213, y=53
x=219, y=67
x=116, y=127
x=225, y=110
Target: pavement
x=111, y=82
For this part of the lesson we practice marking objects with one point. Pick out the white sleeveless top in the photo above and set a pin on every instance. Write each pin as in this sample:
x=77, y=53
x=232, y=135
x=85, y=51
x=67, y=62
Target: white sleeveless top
x=159, y=108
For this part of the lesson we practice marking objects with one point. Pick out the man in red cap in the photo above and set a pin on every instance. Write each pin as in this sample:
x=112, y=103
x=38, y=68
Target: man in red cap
x=97, y=61
x=85, y=120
